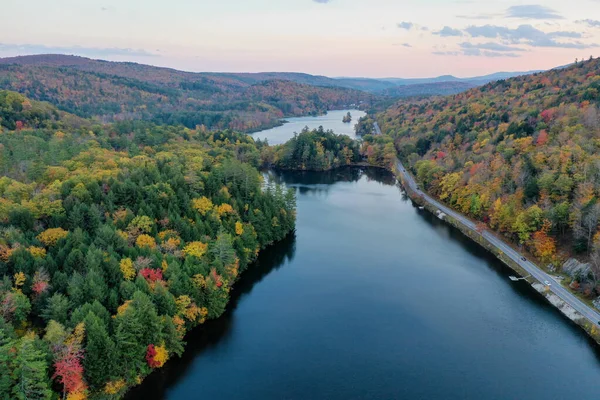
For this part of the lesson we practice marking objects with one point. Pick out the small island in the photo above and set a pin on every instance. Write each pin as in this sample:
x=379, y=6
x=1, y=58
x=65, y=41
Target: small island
x=347, y=118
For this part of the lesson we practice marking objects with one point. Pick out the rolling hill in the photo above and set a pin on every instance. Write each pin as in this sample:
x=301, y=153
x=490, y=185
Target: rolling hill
x=108, y=91
x=521, y=155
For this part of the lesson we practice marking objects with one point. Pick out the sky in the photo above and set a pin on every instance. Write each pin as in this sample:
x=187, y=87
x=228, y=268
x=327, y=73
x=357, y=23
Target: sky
x=361, y=38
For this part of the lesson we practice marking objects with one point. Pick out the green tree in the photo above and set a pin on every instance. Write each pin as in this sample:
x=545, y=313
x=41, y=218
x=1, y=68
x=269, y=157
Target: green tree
x=99, y=352
x=30, y=372
x=6, y=365
x=57, y=308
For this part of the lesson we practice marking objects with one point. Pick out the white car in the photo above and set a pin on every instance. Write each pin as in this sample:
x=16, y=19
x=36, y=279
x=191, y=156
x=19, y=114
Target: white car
x=547, y=283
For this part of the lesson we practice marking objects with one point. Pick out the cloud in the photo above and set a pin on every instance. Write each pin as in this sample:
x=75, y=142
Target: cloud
x=406, y=45
x=322, y=1
x=474, y=52
x=488, y=31
x=532, y=11
x=447, y=31
x=489, y=46
x=524, y=12
x=528, y=35
x=446, y=53
x=566, y=34
x=479, y=16
x=589, y=22
x=406, y=25
x=84, y=51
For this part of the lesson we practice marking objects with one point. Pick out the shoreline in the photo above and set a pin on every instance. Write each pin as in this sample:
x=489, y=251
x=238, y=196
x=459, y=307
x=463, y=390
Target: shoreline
x=584, y=322
x=561, y=305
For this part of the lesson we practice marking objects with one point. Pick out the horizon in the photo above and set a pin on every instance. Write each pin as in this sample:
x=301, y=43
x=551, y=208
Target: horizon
x=280, y=72
x=334, y=38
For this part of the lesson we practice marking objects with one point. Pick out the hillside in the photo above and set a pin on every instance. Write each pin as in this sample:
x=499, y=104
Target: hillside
x=108, y=91
x=521, y=155
x=115, y=241
x=441, y=88
x=474, y=80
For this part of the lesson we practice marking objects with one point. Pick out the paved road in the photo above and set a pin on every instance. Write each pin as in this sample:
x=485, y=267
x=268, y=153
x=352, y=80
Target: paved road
x=556, y=288
x=377, y=130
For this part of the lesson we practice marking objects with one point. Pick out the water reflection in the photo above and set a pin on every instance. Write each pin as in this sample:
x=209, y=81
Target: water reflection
x=381, y=301
x=307, y=182
x=216, y=332
x=521, y=288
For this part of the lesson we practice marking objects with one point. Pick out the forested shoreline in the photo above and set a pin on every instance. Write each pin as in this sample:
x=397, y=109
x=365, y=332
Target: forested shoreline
x=520, y=156
x=113, y=91
x=116, y=240
x=323, y=150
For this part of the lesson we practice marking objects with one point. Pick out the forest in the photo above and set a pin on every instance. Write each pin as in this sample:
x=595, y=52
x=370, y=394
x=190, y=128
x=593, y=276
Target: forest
x=321, y=150
x=116, y=240
x=112, y=91
x=520, y=155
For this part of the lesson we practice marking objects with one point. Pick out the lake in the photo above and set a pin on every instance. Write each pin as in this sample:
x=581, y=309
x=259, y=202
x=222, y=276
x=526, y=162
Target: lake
x=332, y=120
x=373, y=298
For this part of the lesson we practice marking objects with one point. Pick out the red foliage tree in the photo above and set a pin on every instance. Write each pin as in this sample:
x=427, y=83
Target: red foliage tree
x=216, y=278
x=152, y=275
x=150, y=354
x=548, y=115
x=69, y=371
x=542, y=138
x=39, y=287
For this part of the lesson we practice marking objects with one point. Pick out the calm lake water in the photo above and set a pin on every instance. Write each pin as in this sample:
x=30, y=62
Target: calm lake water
x=375, y=299
x=333, y=121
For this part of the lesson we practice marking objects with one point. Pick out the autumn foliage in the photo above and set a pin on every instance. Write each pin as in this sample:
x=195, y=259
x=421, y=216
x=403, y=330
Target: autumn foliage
x=116, y=240
x=156, y=356
x=521, y=155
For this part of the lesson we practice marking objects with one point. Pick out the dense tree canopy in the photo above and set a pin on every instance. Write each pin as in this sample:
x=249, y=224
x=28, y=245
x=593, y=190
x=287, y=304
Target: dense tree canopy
x=115, y=240
x=110, y=91
x=521, y=155
x=315, y=150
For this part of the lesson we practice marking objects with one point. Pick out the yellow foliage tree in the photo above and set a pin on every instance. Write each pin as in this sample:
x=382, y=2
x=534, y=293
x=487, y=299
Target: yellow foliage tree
x=171, y=244
x=19, y=279
x=161, y=356
x=79, y=395
x=179, y=325
x=76, y=338
x=195, y=249
x=123, y=234
x=239, y=228
x=50, y=236
x=225, y=209
x=182, y=302
x=37, y=252
x=145, y=241
x=162, y=235
x=199, y=280
x=123, y=307
x=5, y=252
x=141, y=222
x=127, y=269
x=114, y=387
x=202, y=205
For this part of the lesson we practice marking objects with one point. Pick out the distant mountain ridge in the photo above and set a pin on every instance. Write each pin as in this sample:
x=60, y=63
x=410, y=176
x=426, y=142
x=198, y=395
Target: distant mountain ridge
x=109, y=91
x=450, y=78
x=373, y=85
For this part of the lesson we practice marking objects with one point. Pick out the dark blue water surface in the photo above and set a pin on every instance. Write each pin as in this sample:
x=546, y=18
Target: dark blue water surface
x=375, y=299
